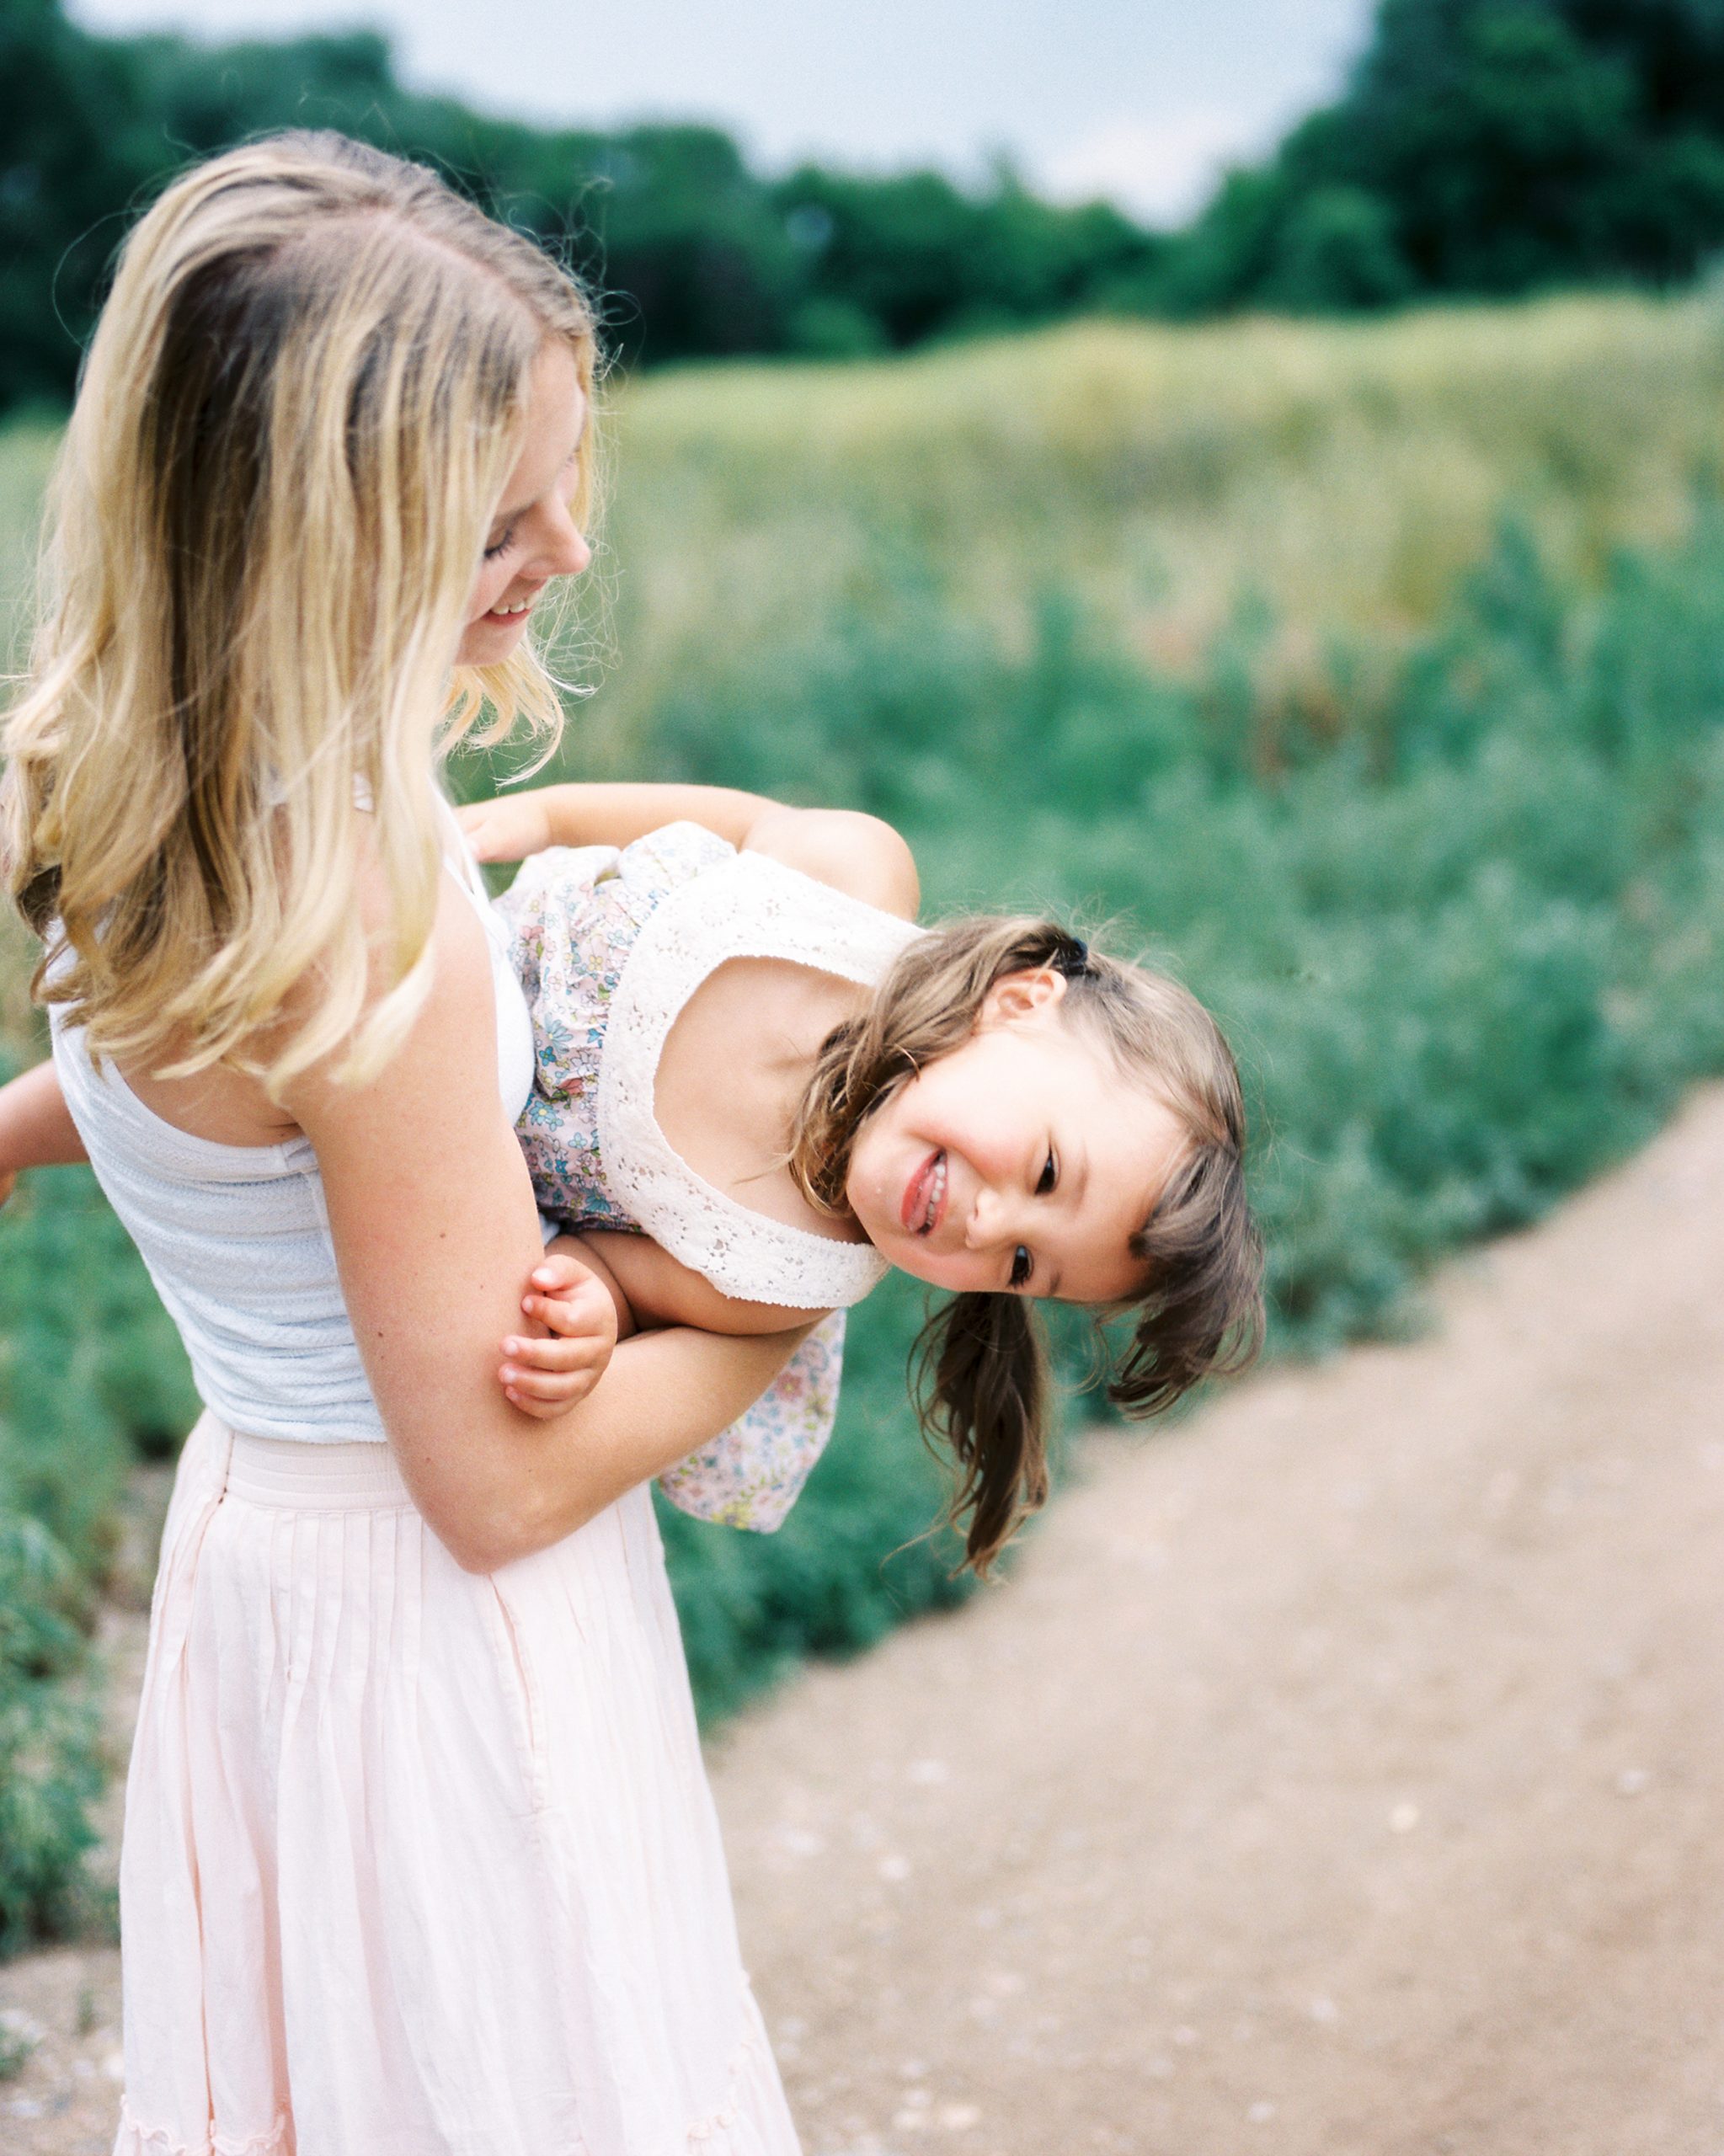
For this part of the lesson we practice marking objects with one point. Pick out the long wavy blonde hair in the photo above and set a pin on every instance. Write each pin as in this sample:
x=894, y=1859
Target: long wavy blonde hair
x=304, y=397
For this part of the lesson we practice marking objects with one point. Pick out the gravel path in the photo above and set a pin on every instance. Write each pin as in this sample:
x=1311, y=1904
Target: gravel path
x=1340, y=1775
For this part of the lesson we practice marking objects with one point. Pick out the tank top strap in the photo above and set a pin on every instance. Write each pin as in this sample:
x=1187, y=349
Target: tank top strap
x=741, y=905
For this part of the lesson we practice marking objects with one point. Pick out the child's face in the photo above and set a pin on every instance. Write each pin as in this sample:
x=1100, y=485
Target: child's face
x=1024, y=1160
x=532, y=537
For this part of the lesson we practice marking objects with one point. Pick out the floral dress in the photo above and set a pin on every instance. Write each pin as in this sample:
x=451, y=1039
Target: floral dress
x=608, y=946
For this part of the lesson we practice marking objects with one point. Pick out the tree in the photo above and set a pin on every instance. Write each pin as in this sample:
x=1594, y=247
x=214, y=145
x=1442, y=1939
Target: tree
x=1490, y=147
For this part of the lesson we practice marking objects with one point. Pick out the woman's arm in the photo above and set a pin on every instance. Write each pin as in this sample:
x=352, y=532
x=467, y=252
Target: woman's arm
x=854, y=853
x=36, y=1128
x=435, y=1229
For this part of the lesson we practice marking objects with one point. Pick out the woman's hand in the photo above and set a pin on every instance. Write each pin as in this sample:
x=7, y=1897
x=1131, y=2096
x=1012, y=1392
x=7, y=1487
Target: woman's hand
x=545, y=1377
x=511, y=828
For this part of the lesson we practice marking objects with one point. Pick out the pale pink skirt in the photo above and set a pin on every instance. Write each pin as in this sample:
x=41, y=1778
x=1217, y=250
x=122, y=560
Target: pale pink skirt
x=417, y=1861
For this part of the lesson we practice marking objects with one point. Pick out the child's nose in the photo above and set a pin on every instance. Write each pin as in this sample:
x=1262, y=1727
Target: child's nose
x=988, y=1226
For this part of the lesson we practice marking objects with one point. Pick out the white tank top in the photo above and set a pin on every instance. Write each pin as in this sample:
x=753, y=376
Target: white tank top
x=236, y=1237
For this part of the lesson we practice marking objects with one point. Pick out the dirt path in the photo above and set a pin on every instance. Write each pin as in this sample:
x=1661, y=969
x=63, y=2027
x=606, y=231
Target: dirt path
x=1341, y=1776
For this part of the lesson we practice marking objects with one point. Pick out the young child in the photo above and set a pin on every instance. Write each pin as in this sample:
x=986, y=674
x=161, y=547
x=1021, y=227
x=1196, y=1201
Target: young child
x=760, y=1086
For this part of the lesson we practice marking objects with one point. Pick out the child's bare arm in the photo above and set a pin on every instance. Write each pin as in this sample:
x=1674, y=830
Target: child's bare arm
x=517, y=824
x=662, y=1291
x=853, y=852
x=600, y=1286
x=36, y=1128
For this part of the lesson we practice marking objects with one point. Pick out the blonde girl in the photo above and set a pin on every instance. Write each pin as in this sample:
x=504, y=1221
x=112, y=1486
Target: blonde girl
x=419, y=1854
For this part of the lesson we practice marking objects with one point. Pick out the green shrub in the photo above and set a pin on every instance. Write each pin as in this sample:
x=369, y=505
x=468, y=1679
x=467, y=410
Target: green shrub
x=50, y=1769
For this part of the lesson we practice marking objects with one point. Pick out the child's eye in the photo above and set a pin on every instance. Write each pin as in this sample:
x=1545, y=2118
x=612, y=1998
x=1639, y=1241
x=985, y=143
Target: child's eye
x=1050, y=1175
x=1022, y=1265
x=501, y=545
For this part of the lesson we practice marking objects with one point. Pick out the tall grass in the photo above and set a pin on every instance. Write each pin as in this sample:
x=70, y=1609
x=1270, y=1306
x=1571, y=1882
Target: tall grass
x=1374, y=676
x=1341, y=476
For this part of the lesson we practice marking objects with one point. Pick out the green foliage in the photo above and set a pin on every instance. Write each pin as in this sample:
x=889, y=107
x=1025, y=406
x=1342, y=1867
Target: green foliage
x=50, y=1769
x=1484, y=146
x=91, y=1373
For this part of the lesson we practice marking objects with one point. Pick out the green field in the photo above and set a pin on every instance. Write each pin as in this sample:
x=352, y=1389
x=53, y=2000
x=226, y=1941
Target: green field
x=1374, y=674
x=1344, y=476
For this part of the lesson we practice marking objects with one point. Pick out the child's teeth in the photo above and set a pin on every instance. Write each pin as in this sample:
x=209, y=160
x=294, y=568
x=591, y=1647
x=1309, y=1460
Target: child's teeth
x=937, y=1185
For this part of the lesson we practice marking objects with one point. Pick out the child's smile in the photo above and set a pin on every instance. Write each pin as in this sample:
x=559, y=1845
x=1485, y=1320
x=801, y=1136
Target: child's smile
x=1022, y=1160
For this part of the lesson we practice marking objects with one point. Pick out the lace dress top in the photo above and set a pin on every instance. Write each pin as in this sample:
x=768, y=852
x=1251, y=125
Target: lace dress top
x=236, y=1237
x=610, y=945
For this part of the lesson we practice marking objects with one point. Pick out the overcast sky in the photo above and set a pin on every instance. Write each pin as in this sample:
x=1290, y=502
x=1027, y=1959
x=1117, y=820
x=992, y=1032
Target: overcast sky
x=1142, y=99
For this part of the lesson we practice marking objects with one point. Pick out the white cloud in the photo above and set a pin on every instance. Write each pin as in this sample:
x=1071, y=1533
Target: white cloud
x=1160, y=169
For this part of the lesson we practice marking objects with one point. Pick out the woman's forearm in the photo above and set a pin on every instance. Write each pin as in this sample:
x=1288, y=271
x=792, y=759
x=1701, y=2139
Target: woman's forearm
x=665, y=1395
x=617, y=815
x=36, y=1128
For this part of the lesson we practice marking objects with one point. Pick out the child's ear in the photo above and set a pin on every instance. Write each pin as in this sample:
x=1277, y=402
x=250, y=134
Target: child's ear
x=1019, y=995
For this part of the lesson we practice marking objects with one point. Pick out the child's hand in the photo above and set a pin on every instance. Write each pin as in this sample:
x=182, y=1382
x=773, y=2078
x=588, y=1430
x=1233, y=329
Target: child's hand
x=508, y=828
x=545, y=1377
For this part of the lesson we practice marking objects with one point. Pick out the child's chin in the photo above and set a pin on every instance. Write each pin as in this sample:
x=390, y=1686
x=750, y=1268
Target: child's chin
x=919, y=1268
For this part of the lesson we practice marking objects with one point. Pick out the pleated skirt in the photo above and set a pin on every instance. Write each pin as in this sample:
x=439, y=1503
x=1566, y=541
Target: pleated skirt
x=418, y=1861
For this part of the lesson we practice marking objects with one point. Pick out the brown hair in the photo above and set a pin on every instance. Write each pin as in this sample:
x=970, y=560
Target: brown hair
x=981, y=1370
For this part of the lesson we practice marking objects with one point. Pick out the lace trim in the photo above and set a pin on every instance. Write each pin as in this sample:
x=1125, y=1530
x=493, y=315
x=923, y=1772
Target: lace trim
x=270, y=2142
x=744, y=906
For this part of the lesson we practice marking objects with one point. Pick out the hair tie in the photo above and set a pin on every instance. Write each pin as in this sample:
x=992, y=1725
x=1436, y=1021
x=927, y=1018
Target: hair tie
x=1073, y=959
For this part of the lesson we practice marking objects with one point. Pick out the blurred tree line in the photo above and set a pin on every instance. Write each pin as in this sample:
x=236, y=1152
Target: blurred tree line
x=1481, y=147
x=695, y=254
x=1486, y=148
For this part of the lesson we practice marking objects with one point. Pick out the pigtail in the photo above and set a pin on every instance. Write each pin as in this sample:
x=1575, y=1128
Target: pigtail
x=980, y=1378
x=1202, y=1314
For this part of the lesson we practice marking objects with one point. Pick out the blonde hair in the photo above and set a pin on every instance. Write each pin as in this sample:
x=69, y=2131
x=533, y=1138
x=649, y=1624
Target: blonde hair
x=983, y=1390
x=302, y=400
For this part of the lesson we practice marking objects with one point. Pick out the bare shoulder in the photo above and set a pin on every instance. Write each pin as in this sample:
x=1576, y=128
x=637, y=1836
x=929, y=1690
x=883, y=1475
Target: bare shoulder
x=447, y=1053
x=860, y=854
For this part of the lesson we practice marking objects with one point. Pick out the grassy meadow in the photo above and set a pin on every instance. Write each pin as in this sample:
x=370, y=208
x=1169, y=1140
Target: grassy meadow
x=1371, y=676
x=1340, y=478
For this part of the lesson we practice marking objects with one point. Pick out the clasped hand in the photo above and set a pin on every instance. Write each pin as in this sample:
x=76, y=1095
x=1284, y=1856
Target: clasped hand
x=545, y=1377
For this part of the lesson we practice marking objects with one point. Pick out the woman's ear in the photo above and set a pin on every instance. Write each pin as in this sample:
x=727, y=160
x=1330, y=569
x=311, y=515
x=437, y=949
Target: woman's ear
x=1020, y=994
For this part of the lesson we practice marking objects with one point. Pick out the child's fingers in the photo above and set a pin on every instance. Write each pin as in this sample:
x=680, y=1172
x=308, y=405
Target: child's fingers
x=541, y=1411
x=582, y=1352
x=553, y=1388
x=588, y=1309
